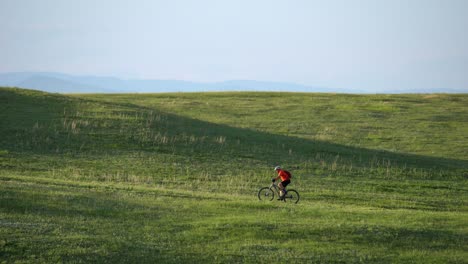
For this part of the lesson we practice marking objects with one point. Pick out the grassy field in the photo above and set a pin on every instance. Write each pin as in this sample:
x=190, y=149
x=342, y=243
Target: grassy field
x=172, y=178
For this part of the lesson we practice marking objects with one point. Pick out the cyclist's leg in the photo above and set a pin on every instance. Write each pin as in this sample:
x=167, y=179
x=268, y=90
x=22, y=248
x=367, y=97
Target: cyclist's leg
x=283, y=186
x=281, y=189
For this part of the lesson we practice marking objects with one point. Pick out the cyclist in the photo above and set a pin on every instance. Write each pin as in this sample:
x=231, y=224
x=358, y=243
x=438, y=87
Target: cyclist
x=285, y=180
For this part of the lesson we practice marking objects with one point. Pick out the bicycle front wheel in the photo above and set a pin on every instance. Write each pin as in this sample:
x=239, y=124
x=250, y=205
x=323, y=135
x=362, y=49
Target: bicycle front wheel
x=266, y=194
x=292, y=196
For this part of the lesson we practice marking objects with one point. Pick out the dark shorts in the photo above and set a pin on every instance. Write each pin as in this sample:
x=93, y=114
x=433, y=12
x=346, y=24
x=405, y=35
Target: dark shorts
x=285, y=183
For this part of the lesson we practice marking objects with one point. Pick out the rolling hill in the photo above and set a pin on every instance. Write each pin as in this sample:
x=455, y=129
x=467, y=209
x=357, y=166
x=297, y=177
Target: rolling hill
x=172, y=177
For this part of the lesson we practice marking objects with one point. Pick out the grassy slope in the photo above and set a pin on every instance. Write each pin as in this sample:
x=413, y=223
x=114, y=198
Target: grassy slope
x=172, y=177
x=404, y=123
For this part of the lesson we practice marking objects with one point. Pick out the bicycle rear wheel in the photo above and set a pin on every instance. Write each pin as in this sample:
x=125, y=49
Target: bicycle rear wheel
x=266, y=194
x=292, y=196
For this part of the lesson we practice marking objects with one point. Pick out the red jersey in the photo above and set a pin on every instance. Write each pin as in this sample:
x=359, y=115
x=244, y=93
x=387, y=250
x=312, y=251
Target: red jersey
x=283, y=175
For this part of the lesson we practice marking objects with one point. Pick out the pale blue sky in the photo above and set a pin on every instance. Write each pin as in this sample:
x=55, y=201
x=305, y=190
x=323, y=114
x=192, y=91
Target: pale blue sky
x=360, y=44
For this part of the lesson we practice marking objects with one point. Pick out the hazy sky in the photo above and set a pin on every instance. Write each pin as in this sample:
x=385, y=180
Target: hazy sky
x=368, y=44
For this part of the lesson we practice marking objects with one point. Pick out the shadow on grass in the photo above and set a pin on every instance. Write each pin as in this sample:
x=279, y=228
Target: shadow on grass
x=44, y=223
x=49, y=124
x=429, y=239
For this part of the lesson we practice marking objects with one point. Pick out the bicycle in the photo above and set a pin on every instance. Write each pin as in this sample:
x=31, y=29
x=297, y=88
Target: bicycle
x=268, y=194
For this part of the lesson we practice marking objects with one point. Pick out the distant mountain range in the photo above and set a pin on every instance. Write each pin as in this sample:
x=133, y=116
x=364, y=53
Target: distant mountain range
x=65, y=83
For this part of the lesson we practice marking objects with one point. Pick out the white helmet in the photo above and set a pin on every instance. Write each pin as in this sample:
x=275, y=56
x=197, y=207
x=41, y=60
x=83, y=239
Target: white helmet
x=277, y=168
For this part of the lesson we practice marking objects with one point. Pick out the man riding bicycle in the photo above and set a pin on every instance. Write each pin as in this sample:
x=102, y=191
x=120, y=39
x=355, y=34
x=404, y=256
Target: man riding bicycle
x=285, y=177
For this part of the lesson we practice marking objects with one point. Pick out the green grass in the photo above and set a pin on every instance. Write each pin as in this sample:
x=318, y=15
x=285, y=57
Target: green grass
x=172, y=178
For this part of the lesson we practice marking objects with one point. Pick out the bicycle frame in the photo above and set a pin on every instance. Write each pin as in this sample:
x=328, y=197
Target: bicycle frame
x=277, y=189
